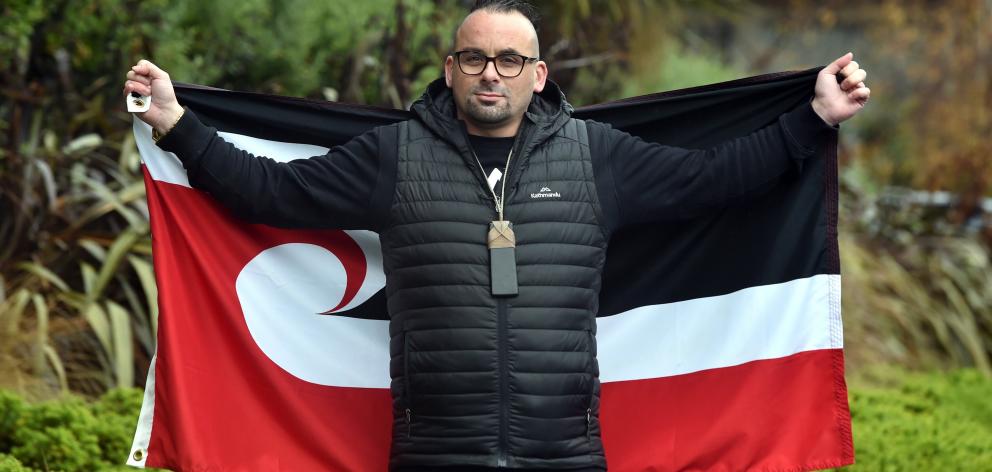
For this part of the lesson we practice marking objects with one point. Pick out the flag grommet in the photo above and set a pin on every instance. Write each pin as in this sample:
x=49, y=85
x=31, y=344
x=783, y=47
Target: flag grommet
x=138, y=454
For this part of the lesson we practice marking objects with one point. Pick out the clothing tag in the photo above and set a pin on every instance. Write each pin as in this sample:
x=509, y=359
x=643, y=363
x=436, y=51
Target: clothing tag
x=494, y=178
x=502, y=258
x=137, y=103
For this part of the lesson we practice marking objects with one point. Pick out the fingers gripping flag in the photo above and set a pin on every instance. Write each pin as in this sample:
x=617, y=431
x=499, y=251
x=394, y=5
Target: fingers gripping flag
x=720, y=338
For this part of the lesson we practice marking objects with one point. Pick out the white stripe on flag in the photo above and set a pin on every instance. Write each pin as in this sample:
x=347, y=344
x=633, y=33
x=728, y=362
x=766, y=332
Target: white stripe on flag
x=763, y=322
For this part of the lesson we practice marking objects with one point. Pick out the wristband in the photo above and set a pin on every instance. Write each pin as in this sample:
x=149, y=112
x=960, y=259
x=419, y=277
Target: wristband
x=157, y=136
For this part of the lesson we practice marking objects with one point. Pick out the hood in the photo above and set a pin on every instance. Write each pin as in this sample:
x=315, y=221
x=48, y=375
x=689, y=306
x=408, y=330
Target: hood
x=548, y=111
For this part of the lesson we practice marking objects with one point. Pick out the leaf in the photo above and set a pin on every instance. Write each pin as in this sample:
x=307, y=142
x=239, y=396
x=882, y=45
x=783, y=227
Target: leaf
x=74, y=299
x=94, y=248
x=41, y=333
x=147, y=277
x=49, y=180
x=12, y=316
x=123, y=352
x=100, y=324
x=57, y=365
x=89, y=276
x=83, y=144
x=115, y=256
x=129, y=159
x=141, y=325
x=44, y=273
x=109, y=200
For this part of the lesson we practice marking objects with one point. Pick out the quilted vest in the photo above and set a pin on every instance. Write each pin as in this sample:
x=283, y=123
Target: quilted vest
x=476, y=379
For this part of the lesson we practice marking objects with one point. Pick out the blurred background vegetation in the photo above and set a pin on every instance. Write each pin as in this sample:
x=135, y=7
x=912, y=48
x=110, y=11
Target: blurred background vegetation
x=77, y=311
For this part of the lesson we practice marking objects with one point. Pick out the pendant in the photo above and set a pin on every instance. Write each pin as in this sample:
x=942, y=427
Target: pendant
x=502, y=258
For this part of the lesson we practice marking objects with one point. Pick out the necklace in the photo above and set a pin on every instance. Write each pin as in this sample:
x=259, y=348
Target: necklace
x=501, y=241
x=498, y=200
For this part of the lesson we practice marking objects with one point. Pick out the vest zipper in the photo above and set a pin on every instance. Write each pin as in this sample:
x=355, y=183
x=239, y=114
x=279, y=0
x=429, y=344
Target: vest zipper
x=592, y=395
x=504, y=409
x=408, y=393
x=408, y=420
x=501, y=323
x=589, y=424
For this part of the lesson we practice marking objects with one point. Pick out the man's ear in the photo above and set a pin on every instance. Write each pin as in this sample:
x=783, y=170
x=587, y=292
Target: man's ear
x=448, y=63
x=540, y=76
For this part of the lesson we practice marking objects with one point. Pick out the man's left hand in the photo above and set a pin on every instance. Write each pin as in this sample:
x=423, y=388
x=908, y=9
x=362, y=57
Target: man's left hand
x=836, y=102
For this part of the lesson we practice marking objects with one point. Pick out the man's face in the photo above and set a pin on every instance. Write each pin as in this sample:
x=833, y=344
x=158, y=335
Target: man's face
x=488, y=100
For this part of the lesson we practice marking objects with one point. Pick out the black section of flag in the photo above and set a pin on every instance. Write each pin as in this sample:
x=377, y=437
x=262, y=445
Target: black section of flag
x=787, y=234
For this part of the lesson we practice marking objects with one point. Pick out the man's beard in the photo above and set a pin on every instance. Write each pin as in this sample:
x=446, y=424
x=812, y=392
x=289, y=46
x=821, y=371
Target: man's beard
x=482, y=113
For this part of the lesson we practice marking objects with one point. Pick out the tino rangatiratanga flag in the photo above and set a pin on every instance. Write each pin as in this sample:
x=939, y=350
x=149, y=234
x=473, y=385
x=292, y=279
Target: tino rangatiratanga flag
x=720, y=338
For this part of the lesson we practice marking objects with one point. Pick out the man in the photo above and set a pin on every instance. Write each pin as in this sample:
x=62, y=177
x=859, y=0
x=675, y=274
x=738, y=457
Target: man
x=494, y=210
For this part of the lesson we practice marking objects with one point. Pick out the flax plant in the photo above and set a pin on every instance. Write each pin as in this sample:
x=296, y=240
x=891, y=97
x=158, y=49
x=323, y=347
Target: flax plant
x=78, y=303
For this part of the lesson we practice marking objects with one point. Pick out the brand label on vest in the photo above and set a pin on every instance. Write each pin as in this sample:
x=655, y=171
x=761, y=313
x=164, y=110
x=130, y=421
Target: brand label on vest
x=545, y=192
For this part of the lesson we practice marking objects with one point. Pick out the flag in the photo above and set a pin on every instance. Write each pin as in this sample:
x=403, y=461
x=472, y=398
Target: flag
x=720, y=338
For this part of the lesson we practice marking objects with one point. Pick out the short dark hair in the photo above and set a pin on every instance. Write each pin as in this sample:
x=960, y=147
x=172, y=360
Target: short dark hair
x=502, y=6
x=508, y=6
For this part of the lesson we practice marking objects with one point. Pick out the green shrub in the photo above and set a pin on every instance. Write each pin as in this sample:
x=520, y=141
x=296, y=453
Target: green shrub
x=924, y=422
x=117, y=412
x=11, y=408
x=70, y=434
x=11, y=464
x=58, y=435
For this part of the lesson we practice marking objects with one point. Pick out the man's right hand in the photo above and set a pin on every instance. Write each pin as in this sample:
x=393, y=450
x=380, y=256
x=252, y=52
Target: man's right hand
x=147, y=79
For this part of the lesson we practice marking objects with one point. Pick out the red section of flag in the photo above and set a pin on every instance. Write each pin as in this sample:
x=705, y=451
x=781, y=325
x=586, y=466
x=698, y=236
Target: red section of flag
x=769, y=415
x=220, y=403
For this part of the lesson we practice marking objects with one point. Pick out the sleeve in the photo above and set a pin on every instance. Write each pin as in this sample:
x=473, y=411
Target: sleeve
x=652, y=182
x=343, y=189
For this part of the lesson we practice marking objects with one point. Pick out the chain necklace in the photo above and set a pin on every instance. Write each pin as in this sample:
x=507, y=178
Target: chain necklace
x=498, y=200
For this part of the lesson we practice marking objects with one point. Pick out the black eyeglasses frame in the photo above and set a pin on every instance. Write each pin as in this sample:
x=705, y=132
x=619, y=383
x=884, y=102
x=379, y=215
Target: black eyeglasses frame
x=457, y=56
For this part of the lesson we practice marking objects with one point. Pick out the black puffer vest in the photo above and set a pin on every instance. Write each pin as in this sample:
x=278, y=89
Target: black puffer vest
x=494, y=381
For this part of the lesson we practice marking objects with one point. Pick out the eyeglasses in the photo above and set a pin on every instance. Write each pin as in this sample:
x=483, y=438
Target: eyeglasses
x=507, y=65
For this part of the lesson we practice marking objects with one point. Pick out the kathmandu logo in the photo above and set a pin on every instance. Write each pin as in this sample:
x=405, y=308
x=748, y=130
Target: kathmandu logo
x=545, y=192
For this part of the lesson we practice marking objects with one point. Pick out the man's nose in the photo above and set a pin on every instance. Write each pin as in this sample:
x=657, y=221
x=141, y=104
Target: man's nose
x=489, y=73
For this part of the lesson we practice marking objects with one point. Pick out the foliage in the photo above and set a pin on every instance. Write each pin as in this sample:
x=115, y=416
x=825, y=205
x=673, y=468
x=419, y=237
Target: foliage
x=69, y=434
x=923, y=422
x=10, y=463
x=953, y=118
x=11, y=409
x=929, y=64
x=295, y=47
x=60, y=434
x=917, y=291
x=75, y=281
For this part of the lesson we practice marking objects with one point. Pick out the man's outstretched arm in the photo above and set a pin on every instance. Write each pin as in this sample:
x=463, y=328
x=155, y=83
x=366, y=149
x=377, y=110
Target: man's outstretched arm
x=337, y=190
x=646, y=182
